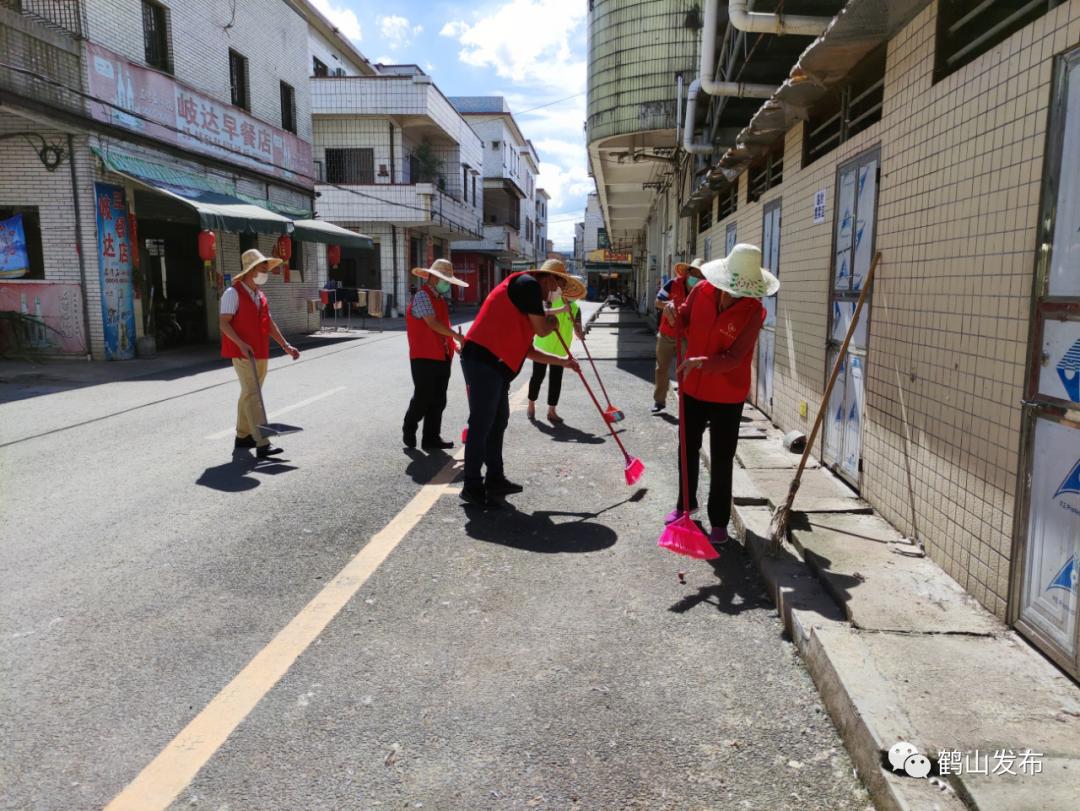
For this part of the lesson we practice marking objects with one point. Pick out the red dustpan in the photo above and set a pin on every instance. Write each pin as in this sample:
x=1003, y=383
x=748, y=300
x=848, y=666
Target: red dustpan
x=683, y=536
x=634, y=466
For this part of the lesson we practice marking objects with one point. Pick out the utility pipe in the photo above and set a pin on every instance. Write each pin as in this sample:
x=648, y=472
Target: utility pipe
x=707, y=65
x=688, y=131
x=678, y=107
x=779, y=24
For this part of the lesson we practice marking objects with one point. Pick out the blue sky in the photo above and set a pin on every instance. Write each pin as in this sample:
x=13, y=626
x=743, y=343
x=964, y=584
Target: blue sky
x=530, y=51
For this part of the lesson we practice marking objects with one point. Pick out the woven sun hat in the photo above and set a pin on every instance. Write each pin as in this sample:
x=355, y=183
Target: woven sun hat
x=251, y=259
x=573, y=287
x=683, y=268
x=440, y=269
x=740, y=273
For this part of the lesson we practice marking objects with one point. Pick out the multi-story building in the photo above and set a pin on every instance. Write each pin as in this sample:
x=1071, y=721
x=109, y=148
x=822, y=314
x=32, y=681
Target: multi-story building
x=509, y=185
x=942, y=135
x=393, y=160
x=542, y=201
x=127, y=130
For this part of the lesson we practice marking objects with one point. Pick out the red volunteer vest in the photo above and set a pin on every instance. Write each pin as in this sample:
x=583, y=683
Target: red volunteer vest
x=252, y=324
x=502, y=328
x=678, y=295
x=424, y=342
x=712, y=332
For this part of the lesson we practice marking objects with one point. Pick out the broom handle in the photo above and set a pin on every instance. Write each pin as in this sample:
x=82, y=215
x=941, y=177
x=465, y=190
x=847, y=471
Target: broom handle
x=596, y=372
x=683, y=464
x=832, y=379
x=596, y=402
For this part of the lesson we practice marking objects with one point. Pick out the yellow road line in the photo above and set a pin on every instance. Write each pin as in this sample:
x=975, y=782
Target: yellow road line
x=168, y=774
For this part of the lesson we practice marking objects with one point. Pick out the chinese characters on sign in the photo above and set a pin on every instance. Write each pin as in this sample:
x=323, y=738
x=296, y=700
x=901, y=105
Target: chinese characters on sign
x=114, y=263
x=1001, y=762
x=159, y=106
x=819, y=207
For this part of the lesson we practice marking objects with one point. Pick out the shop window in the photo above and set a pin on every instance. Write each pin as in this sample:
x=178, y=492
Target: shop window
x=288, y=108
x=847, y=109
x=31, y=226
x=727, y=201
x=704, y=218
x=238, y=80
x=767, y=172
x=318, y=68
x=966, y=29
x=350, y=166
x=156, y=36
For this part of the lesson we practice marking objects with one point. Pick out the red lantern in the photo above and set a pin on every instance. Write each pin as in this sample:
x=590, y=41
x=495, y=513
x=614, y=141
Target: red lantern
x=133, y=235
x=207, y=248
x=333, y=255
x=283, y=250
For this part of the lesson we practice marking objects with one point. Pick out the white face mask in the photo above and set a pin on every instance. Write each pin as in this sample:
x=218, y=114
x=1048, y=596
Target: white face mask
x=261, y=277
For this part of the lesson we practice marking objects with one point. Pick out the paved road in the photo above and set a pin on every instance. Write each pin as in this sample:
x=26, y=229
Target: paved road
x=543, y=657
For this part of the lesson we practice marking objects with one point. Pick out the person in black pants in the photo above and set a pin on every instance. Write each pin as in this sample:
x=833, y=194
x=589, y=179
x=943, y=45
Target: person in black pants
x=499, y=341
x=431, y=348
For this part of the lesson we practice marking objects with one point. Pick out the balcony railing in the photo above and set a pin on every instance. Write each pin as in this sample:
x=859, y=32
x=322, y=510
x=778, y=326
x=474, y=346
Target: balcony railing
x=39, y=62
x=67, y=15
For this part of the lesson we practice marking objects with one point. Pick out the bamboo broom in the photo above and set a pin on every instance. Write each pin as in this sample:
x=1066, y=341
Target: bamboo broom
x=778, y=527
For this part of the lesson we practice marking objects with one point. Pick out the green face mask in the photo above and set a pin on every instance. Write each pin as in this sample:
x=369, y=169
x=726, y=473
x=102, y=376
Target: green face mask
x=691, y=281
x=442, y=286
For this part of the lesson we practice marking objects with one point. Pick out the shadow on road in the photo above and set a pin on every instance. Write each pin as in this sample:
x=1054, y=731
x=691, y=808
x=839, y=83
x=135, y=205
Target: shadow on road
x=538, y=532
x=233, y=477
x=738, y=590
x=567, y=433
x=424, y=464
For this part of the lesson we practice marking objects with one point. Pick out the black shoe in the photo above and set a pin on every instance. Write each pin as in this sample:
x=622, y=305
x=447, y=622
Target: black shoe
x=502, y=487
x=409, y=438
x=437, y=444
x=268, y=450
x=658, y=407
x=244, y=442
x=478, y=497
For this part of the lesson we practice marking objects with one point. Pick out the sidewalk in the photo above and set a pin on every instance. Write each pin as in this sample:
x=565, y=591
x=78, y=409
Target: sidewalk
x=899, y=651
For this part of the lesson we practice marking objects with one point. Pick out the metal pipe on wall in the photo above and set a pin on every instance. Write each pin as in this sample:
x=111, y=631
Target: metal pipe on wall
x=779, y=24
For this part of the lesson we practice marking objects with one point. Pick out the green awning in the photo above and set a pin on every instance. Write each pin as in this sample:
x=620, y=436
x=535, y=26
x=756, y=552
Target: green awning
x=216, y=204
x=330, y=234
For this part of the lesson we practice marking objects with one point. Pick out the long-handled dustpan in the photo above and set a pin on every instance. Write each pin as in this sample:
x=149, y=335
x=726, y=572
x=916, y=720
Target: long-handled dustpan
x=683, y=536
x=266, y=428
x=611, y=413
x=634, y=466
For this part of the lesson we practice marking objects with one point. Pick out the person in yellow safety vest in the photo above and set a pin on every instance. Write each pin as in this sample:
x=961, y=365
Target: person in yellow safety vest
x=568, y=314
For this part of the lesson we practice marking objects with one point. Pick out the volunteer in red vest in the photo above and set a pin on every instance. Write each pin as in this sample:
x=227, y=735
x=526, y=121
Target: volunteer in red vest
x=246, y=330
x=432, y=344
x=499, y=341
x=673, y=293
x=721, y=319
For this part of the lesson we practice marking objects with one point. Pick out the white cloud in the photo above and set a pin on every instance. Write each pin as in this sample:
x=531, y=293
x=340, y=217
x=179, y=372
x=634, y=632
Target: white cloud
x=397, y=31
x=542, y=56
x=430, y=68
x=345, y=19
x=386, y=60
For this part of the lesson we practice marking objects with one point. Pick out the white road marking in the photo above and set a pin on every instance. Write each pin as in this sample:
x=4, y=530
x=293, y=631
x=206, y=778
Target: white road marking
x=279, y=412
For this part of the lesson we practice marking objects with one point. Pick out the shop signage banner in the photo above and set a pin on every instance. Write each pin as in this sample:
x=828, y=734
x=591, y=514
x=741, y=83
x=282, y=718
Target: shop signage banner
x=14, y=261
x=114, y=263
x=56, y=307
x=1050, y=572
x=1059, y=375
x=157, y=105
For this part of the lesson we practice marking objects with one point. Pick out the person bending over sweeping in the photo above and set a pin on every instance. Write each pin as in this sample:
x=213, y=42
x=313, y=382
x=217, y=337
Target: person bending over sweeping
x=496, y=346
x=431, y=349
x=721, y=320
x=568, y=314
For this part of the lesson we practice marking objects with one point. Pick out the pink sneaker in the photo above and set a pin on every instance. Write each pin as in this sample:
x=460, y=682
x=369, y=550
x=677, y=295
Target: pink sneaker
x=675, y=515
x=718, y=536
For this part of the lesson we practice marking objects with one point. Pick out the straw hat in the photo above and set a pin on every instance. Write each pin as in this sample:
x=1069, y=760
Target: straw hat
x=251, y=259
x=683, y=268
x=574, y=287
x=740, y=273
x=440, y=269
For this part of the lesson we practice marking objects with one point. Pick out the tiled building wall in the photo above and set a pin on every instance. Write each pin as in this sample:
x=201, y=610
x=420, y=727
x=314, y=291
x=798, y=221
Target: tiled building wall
x=957, y=210
x=272, y=36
